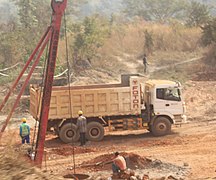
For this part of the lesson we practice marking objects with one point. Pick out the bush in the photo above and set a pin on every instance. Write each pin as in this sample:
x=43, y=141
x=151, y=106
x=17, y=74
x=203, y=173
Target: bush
x=209, y=32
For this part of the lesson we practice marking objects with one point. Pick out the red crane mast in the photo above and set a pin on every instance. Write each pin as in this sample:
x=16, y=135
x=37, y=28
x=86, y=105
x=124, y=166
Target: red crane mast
x=58, y=11
x=51, y=35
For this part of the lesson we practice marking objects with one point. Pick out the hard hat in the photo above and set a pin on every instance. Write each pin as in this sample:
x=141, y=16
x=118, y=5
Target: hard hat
x=116, y=153
x=80, y=112
x=23, y=119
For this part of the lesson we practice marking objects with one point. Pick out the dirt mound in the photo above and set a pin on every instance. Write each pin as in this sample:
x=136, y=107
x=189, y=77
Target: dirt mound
x=139, y=165
x=102, y=162
x=14, y=167
x=66, y=151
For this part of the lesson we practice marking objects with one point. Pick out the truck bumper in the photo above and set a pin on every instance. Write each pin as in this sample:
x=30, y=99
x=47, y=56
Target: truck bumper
x=180, y=119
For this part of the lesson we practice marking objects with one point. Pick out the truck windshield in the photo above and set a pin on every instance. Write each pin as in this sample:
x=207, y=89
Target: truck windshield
x=171, y=94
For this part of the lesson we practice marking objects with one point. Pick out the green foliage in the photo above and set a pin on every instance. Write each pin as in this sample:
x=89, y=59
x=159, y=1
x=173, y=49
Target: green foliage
x=156, y=10
x=209, y=39
x=209, y=32
x=5, y=50
x=9, y=48
x=148, y=41
x=26, y=12
x=34, y=18
x=89, y=36
x=136, y=8
x=197, y=14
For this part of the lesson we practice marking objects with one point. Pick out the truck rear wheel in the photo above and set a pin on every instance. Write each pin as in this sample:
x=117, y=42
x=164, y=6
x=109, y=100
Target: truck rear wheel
x=161, y=126
x=95, y=131
x=68, y=133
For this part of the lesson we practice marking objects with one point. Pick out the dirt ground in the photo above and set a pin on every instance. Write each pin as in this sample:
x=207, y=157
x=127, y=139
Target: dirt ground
x=189, y=152
x=190, y=148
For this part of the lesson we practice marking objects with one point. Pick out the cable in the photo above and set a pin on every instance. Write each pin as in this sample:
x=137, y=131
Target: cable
x=69, y=87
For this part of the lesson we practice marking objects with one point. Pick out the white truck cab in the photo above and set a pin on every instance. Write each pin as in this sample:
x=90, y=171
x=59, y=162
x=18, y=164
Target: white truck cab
x=163, y=100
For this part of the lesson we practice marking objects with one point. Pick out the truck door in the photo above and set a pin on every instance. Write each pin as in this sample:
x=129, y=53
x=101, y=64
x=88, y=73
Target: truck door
x=169, y=99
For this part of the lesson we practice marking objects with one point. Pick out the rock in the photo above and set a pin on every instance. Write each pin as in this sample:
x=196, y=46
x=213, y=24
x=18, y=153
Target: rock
x=132, y=173
x=170, y=177
x=186, y=164
x=133, y=178
x=98, y=178
x=145, y=177
x=138, y=177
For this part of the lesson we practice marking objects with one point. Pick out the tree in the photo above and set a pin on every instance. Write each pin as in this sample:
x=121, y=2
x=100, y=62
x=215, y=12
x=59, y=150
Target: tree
x=149, y=43
x=209, y=39
x=33, y=19
x=136, y=8
x=88, y=36
x=197, y=14
x=155, y=10
x=24, y=24
x=209, y=32
x=26, y=9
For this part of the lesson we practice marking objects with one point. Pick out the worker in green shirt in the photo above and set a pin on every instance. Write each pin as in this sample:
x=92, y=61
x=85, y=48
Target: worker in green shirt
x=25, y=132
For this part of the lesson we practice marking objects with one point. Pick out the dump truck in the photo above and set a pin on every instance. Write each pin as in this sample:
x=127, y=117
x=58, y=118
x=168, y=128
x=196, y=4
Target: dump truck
x=135, y=103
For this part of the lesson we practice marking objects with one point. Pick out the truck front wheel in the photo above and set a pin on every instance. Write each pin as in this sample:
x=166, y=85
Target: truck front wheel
x=95, y=131
x=68, y=133
x=161, y=126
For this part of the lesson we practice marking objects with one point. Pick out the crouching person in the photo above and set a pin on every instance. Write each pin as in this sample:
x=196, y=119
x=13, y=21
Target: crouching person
x=119, y=164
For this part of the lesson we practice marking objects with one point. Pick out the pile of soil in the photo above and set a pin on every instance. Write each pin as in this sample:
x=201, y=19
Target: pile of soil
x=14, y=167
x=102, y=163
x=66, y=151
x=141, y=166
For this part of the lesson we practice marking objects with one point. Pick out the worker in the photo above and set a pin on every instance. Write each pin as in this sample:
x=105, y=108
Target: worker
x=81, y=125
x=119, y=164
x=25, y=132
x=145, y=63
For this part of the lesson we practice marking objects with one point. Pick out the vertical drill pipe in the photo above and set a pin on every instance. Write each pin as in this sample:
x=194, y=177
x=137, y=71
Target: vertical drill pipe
x=25, y=83
x=58, y=11
x=24, y=69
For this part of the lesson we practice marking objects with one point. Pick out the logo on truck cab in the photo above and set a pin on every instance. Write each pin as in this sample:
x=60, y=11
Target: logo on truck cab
x=135, y=94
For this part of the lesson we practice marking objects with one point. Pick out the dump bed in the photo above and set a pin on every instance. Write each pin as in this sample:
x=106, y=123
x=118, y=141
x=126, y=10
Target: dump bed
x=93, y=100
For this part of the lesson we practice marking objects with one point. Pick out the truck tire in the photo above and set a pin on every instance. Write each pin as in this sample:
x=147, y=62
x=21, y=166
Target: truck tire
x=68, y=133
x=161, y=126
x=95, y=131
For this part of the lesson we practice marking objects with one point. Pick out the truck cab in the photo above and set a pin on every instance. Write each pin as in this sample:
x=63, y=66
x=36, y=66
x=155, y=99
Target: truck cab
x=163, y=105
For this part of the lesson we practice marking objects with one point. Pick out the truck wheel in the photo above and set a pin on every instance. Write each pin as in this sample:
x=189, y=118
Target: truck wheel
x=68, y=133
x=161, y=126
x=95, y=131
